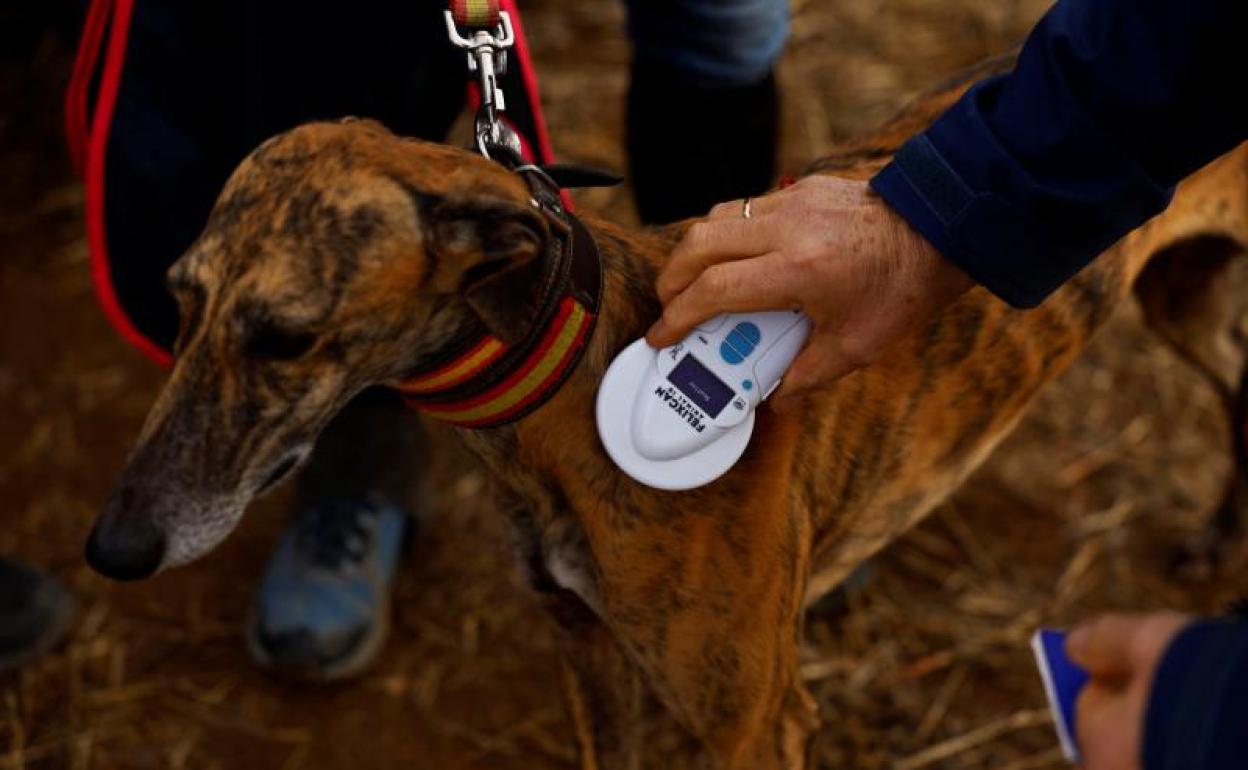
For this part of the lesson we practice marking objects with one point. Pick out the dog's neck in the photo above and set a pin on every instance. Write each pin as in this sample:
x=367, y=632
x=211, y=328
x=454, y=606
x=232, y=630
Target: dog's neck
x=630, y=264
x=553, y=439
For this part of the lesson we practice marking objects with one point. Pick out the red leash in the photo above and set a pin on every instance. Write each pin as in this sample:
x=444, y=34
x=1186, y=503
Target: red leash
x=87, y=129
x=77, y=96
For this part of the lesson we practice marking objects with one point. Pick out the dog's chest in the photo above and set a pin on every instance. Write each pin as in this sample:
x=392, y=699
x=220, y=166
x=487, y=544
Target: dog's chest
x=557, y=557
x=569, y=568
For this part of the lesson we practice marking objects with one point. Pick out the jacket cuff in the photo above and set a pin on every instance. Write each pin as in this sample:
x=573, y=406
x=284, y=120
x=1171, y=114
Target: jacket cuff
x=1198, y=702
x=991, y=240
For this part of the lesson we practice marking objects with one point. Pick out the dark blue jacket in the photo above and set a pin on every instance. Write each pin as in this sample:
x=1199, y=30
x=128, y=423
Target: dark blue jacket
x=1198, y=707
x=1031, y=175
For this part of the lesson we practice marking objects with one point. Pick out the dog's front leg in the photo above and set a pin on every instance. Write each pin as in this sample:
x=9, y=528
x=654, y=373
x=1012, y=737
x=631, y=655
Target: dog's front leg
x=706, y=600
x=603, y=689
x=716, y=634
x=706, y=699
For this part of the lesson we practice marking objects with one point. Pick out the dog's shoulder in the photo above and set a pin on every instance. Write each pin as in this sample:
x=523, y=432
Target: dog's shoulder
x=862, y=157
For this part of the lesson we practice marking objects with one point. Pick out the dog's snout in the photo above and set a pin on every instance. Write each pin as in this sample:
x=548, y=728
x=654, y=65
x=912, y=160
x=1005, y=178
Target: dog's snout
x=125, y=548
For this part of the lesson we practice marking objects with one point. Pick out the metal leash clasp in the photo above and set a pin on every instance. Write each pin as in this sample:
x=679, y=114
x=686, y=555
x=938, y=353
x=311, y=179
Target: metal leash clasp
x=487, y=57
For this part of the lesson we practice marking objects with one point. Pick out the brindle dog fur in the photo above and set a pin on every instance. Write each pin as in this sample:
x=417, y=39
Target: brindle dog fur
x=341, y=257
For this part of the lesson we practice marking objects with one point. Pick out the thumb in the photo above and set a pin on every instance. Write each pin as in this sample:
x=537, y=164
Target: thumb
x=1102, y=646
x=817, y=366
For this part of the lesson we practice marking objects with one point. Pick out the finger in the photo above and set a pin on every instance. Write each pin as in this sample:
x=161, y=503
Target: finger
x=1153, y=636
x=792, y=403
x=821, y=363
x=1102, y=646
x=1095, y=711
x=755, y=284
x=1163, y=627
x=759, y=205
x=790, y=397
x=832, y=353
x=733, y=209
x=710, y=243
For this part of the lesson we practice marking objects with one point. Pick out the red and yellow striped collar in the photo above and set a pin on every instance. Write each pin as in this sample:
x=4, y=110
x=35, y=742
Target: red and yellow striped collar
x=525, y=385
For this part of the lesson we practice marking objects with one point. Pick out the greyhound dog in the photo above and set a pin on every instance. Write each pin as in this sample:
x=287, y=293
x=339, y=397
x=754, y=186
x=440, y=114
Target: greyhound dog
x=341, y=257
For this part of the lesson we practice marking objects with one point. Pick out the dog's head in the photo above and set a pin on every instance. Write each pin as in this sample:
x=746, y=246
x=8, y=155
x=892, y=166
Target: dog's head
x=337, y=257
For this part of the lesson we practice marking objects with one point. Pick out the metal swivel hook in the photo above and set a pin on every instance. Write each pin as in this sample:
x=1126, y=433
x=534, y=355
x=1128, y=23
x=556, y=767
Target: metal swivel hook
x=487, y=57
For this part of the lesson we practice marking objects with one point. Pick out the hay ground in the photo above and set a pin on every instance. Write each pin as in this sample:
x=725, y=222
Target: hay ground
x=927, y=667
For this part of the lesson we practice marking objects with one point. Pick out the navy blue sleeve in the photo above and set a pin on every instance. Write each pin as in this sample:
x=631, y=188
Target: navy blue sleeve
x=1031, y=175
x=1198, y=706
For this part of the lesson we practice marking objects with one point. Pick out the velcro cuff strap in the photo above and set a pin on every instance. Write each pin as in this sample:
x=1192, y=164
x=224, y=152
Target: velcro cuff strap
x=995, y=243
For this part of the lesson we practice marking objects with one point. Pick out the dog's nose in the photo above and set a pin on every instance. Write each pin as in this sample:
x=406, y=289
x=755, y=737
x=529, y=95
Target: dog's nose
x=125, y=550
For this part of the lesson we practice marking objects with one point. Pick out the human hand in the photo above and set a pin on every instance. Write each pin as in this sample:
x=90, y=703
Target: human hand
x=1121, y=654
x=828, y=246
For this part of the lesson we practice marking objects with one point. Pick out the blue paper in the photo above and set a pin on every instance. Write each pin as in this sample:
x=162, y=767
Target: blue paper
x=1063, y=681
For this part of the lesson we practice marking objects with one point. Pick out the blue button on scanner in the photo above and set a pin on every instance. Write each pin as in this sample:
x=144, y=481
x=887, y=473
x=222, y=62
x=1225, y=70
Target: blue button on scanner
x=729, y=354
x=738, y=341
x=749, y=331
x=747, y=384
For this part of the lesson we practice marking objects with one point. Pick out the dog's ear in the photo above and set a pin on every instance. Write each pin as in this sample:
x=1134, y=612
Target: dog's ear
x=500, y=245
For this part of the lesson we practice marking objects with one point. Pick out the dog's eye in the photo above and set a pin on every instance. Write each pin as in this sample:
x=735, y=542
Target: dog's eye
x=272, y=343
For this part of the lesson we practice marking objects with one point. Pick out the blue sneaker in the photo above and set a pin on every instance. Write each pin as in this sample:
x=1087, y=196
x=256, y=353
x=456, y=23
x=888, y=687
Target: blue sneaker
x=322, y=610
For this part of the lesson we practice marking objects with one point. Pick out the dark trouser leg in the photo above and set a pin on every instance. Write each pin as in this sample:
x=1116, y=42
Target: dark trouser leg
x=703, y=105
x=323, y=604
x=373, y=447
x=34, y=613
x=692, y=147
x=203, y=85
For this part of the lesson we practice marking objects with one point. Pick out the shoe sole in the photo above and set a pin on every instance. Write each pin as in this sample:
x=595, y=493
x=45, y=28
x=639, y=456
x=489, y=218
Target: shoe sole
x=346, y=667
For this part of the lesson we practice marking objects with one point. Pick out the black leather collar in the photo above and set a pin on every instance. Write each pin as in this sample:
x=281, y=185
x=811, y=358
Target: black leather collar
x=482, y=382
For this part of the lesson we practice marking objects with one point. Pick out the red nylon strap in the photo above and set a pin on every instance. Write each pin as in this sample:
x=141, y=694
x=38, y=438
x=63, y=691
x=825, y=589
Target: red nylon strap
x=96, y=156
x=77, y=95
x=475, y=14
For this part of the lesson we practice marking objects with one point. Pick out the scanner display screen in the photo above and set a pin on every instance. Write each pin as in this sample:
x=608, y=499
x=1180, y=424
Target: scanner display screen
x=700, y=386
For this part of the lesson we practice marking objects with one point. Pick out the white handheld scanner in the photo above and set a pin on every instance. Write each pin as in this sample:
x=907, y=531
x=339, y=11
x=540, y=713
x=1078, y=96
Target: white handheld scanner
x=680, y=417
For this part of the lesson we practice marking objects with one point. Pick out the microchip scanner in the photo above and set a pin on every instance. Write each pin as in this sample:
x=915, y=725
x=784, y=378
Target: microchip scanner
x=680, y=417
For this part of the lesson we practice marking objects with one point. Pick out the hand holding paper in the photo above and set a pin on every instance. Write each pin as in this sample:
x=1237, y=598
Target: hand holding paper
x=1120, y=654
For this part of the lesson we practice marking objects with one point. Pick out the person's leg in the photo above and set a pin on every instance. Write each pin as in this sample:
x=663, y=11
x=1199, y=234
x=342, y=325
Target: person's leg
x=702, y=106
x=204, y=83
x=34, y=613
x=323, y=603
